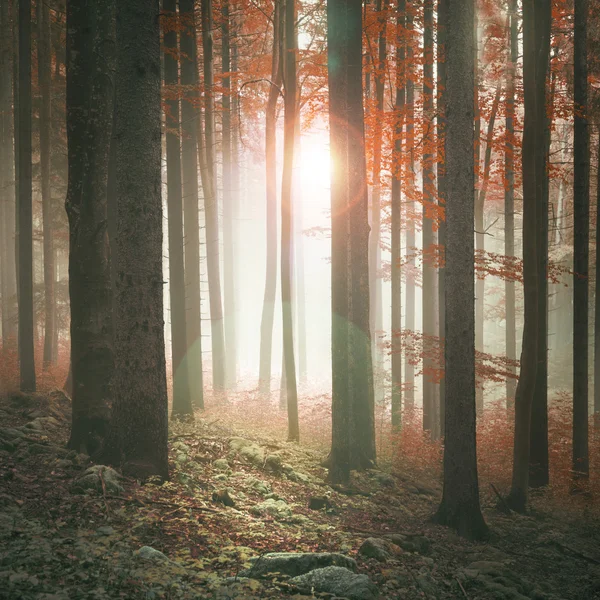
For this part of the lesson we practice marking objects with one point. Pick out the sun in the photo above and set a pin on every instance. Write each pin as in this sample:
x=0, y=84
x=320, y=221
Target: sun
x=315, y=162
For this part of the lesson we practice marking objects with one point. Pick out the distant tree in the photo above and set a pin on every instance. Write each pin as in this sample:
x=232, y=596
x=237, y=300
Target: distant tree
x=90, y=79
x=139, y=425
x=182, y=402
x=25, y=205
x=190, y=113
x=536, y=26
x=581, y=215
x=44, y=82
x=460, y=506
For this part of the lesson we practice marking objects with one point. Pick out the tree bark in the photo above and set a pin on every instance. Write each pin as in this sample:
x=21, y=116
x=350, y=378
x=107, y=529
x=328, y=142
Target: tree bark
x=460, y=506
x=268, y=311
x=191, y=225
x=286, y=219
x=90, y=80
x=138, y=441
x=581, y=213
x=182, y=402
x=211, y=206
x=597, y=298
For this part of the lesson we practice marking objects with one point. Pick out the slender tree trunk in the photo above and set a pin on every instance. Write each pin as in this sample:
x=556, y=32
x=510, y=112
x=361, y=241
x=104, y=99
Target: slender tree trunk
x=211, y=206
x=44, y=75
x=299, y=278
x=460, y=507
x=441, y=174
x=25, y=210
x=268, y=311
x=376, y=306
x=396, y=308
x=428, y=304
x=138, y=441
x=90, y=79
x=581, y=213
x=411, y=196
x=341, y=405
x=509, y=200
x=182, y=403
x=191, y=225
x=597, y=297
x=286, y=219
x=536, y=22
x=228, y=236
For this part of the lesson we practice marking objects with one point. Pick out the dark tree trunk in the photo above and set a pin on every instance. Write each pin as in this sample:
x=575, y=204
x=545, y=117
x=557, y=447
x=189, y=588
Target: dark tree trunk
x=396, y=347
x=138, y=441
x=268, y=311
x=286, y=219
x=228, y=236
x=441, y=174
x=536, y=22
x=25, y=208
x=509, y=200
x=581, y=214
x=597, y=299
x=191, y=225
x=44, y=78
x=538, y=452
x=428, y=180
x=211, y=207
x=460, y=507
x=90, y=78
x=182, y=402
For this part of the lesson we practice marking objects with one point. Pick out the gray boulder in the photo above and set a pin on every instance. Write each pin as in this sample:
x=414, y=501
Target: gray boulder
x=410, y=543
x=375, y=548
x=338, y=581
x=296, y=563
x=92, y=480
x=277, y=509
x=149, y=553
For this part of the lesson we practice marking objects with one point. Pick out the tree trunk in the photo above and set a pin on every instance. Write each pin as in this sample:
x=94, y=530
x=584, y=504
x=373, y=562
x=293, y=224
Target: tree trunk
x=44, y=75
x=182, y=402
x=509, y=200
x=597, y=298
x=536, y=22
x=211, y=206
x=396, y=200
x=228, y=236
x=268, y=311
x=90, y=79
x=428, y=304
x=460, y=507
x=441, y=175
x=286, y=219
x=191, y=226
x=581, y=213
x=140, y=417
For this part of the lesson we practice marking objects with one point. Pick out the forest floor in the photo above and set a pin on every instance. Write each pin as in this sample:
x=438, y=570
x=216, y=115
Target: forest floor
x=69, y=532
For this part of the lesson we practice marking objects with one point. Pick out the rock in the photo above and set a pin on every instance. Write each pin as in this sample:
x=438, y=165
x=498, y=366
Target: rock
x=223, y=497
x=248, y=451
x=39, y=449
x=318, y=502
x=105, y=530
x=7, y=445
x=298, y=477
x=181, y=447
x=274, y=508
x=42, y=423
x=64, y=463
x=9, y=433
x=262, y=487
x=221, y=477
x=221, y=464
x=149, y=553
x=383, y=478
x=273, y=462
x=375, y=548
x=90, y=480
x=410, y=543
x=427, y=584
x=182, y=458
x=338, y=581
x=296, y=563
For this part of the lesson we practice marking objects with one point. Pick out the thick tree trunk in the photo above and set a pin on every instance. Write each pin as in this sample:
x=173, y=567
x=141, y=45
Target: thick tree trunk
x=268, y=311
x=90, y=78
x=597, y=298
x=460, y=507
x=536, y=22
x=581, y=213
x=182, y=402
x=25, y=207
x=191, y=225
x=211, y=206
x=396, y=308
x=509, y=200
x=140, y=417
x=428, y=181
x=44, y=76
x=286, y=219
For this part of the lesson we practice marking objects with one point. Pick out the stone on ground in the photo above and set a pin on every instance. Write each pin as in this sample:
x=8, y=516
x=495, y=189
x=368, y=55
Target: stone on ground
x=338, y=581
x=92, y=480
x=296, y=563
